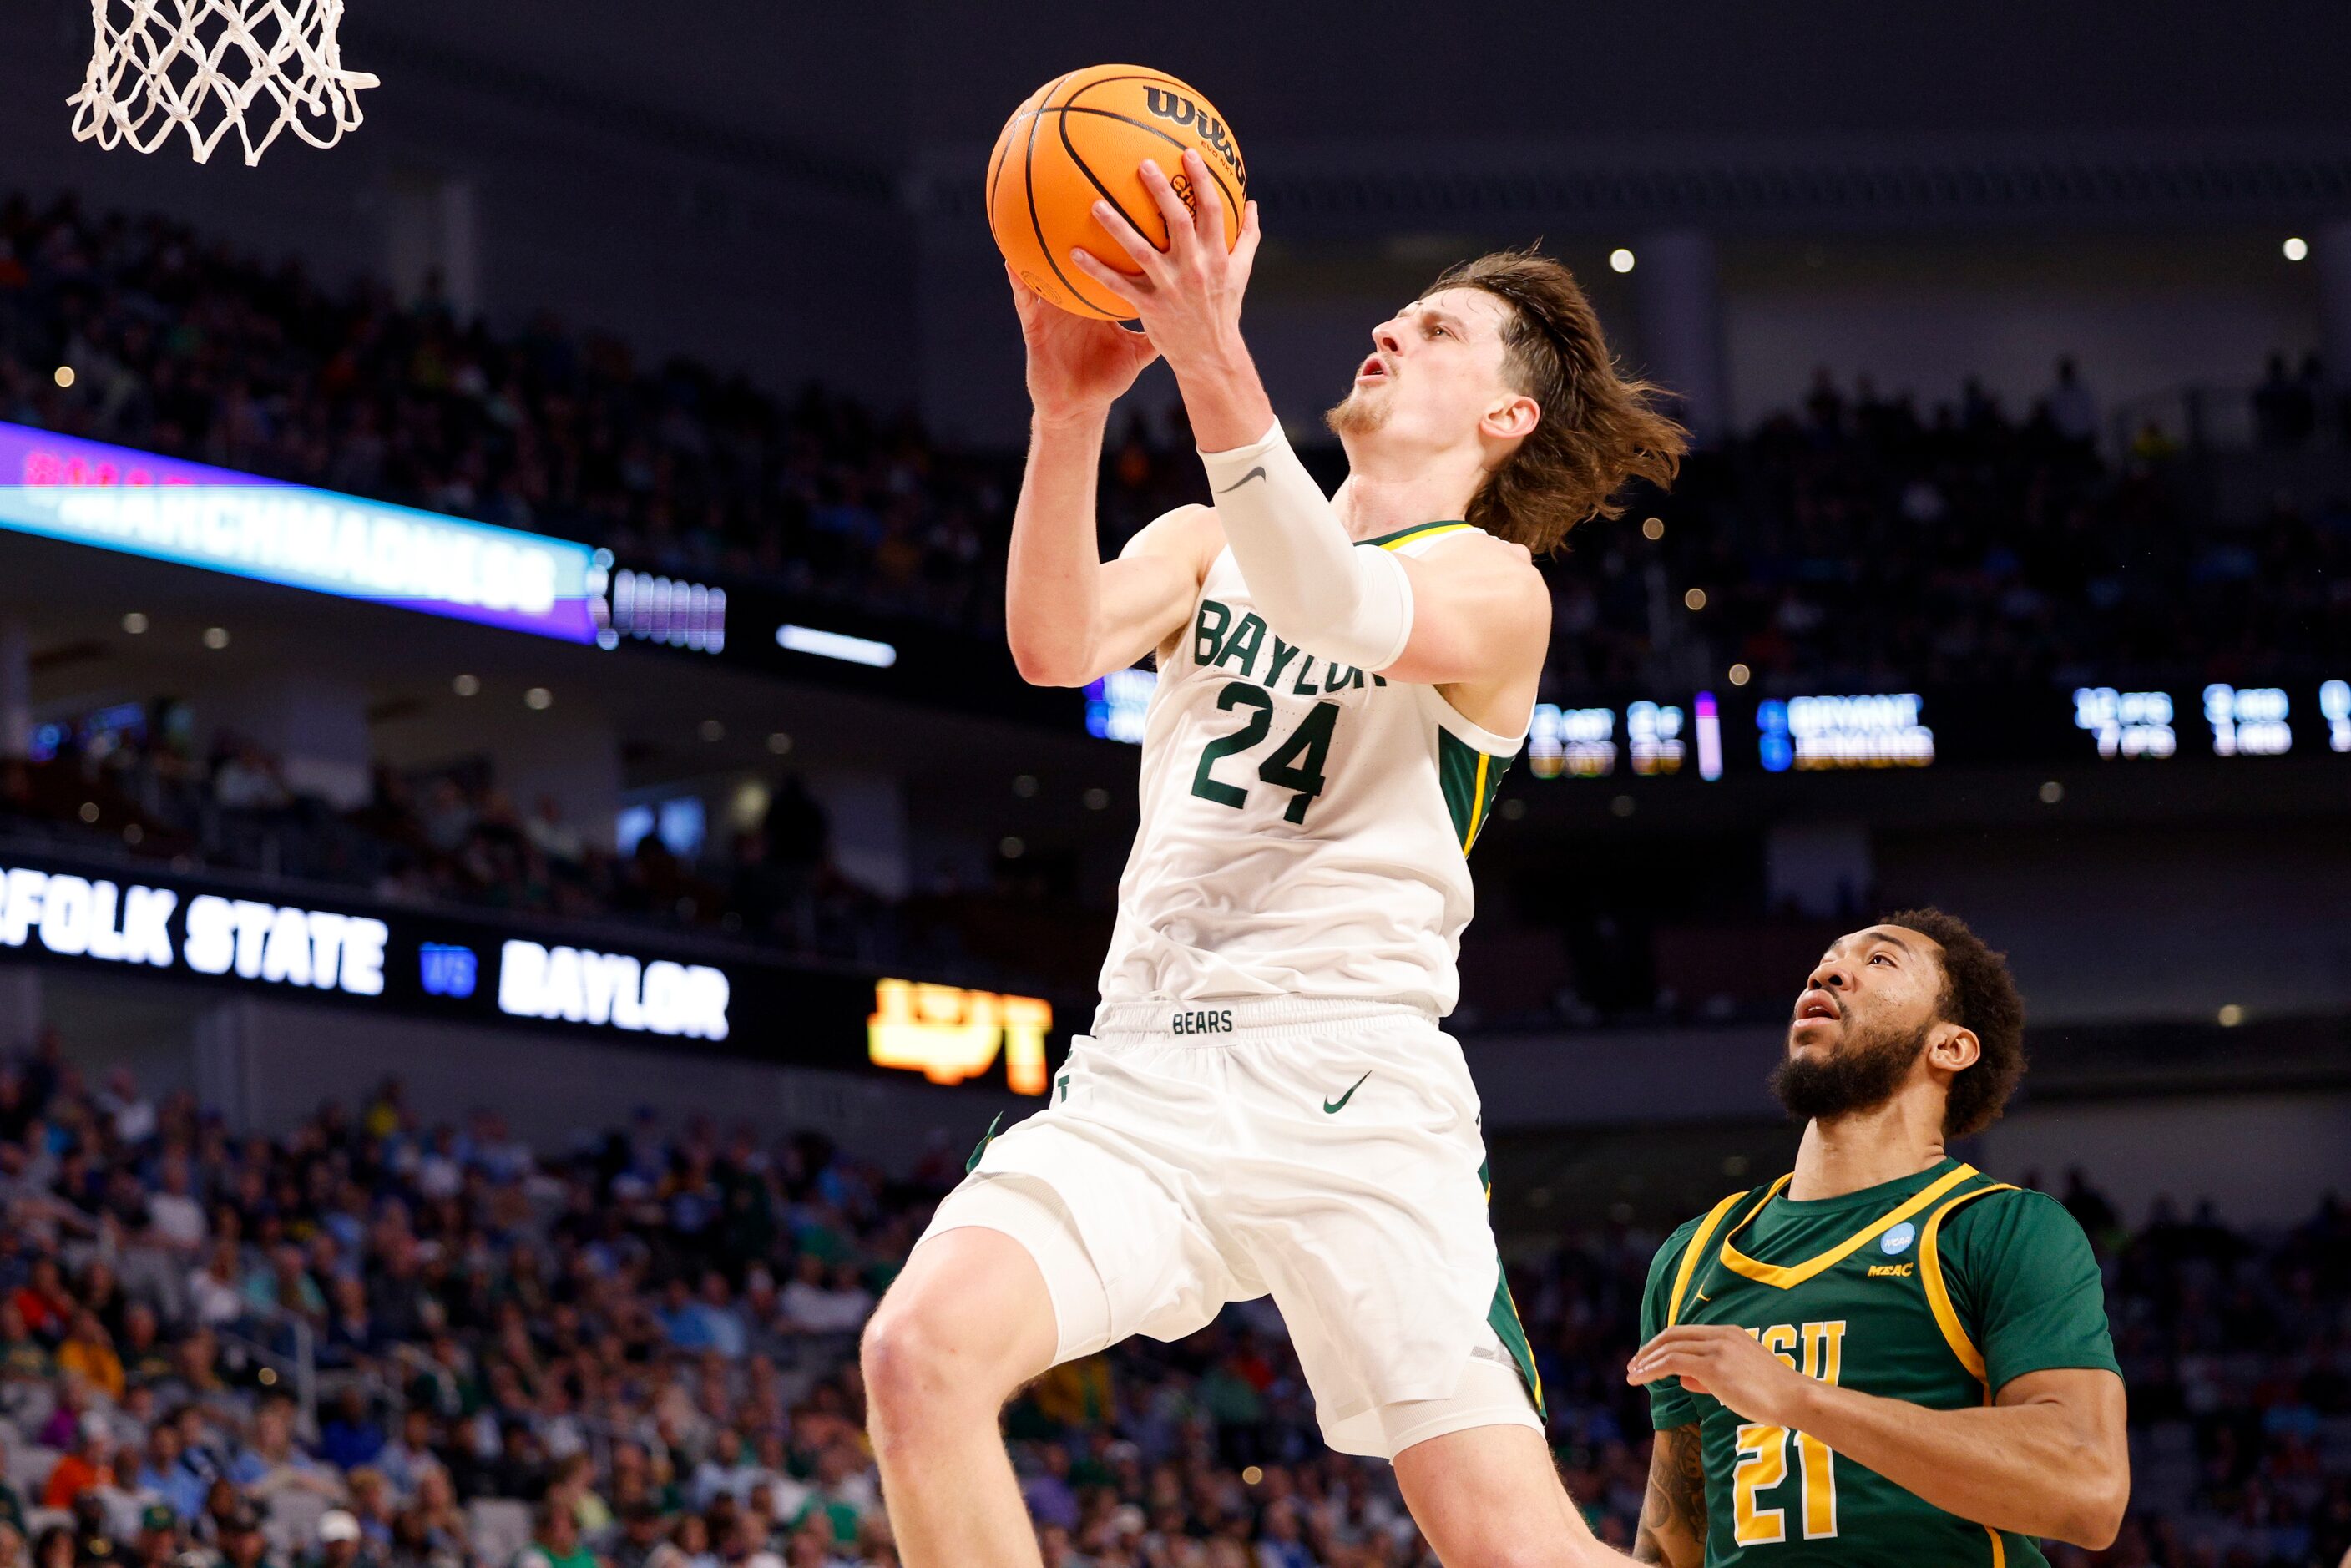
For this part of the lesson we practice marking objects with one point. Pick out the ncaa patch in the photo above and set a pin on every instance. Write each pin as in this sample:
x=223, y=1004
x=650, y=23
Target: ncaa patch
x=1898, y=1241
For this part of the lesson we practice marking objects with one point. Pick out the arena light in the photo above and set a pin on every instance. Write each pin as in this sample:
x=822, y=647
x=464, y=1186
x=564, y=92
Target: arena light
x=836, y=645
x=1621, y=260
x=2296, y=248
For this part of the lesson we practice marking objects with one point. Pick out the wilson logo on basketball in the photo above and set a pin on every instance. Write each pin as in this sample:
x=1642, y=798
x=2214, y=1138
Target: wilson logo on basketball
x=1177, y=110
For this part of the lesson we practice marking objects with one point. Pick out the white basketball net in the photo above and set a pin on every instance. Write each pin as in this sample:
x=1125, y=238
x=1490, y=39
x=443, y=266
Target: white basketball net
x=259, y=66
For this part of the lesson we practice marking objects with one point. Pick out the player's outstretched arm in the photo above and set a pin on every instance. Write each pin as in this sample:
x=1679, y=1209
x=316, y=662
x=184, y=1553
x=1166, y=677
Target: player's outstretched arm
x=1673, y=1515
x=2048, y=1457
x=1069, y=615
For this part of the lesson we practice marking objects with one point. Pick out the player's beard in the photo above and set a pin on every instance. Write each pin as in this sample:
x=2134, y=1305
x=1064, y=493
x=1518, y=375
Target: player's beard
x=1859, y=1075
x=1358, y=415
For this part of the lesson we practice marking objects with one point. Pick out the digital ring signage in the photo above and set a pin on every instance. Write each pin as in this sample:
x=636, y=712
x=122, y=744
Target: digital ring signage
x=1708, y=735
x=117, y=498
x=218, y=519
x=429, y=966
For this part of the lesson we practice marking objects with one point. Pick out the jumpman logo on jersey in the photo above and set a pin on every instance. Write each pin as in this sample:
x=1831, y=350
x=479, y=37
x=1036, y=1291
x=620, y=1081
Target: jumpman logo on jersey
x=1333, y=1107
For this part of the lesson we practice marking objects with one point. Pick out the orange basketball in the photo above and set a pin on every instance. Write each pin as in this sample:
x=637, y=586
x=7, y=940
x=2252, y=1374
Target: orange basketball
x=1082, y=137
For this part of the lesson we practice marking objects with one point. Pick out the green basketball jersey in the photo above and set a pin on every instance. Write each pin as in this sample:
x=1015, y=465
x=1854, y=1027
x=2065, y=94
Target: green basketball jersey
x=1936, y=1289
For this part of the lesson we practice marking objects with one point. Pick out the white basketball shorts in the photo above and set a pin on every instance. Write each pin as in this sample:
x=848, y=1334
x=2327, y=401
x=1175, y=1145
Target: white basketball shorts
x=1321, y=1150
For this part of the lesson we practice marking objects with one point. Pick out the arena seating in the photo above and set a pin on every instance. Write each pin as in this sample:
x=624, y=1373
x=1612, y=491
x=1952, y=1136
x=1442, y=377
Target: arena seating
x=373, y=1342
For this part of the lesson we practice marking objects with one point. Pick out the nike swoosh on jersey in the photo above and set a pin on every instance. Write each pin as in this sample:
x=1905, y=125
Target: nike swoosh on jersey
x=1256, y=472
x=1333, y=1107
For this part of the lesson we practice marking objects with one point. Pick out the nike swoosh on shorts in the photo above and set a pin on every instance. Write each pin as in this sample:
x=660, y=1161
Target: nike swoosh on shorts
x=1333, y=1107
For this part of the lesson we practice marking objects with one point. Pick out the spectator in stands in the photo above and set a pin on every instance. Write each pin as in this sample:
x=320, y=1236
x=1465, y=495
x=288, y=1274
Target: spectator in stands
x=163, y=1476
x=2285, y=408
x=12, y=1500
x=240, y=1541
x=157, y=1541
x=352, y=1436
x=555, y=1540
x=89, y=1463
x=276, y=1465
x=133, y=1116
x=556, y=839
x=2073, y=411
x=43, y=1304
x=174, y=1217
x=825, y=1300
x=340, y=1542
x=23, y=1358
x=87, y=1352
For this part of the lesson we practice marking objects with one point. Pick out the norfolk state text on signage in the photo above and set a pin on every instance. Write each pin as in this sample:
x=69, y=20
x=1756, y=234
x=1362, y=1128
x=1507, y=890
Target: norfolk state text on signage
x=135, y=917
x=70, y=915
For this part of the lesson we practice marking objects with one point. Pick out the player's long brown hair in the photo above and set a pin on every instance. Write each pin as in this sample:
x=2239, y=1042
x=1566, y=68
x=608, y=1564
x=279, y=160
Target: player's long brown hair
x=1598, y=429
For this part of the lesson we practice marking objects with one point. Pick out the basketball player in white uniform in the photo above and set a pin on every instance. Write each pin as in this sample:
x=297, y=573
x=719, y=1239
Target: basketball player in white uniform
x=1266, y=1102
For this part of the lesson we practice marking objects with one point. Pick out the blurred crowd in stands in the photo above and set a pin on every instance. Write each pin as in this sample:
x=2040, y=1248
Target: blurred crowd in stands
x=1862, y=538
x=1861, y=544
x=376, y=1343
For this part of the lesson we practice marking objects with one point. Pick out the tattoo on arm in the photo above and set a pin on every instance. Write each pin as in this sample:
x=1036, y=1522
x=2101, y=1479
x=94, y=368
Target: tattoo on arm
x=1673, y=1515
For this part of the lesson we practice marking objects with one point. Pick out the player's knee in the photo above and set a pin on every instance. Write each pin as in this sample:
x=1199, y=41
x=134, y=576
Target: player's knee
x=914, y=1366
x=896, y=1356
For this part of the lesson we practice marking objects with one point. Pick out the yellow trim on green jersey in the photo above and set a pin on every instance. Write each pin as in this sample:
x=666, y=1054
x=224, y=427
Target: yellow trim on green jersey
x=1471, y=779
x=1691, y=1253
x=1939, y=1294
x=1403, y=537
x=1477, y=802
x=1788, y=1277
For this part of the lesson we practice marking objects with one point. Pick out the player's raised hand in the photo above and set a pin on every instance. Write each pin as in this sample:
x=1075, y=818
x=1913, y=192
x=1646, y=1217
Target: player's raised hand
x=1189, y=294
x=1077, y=366
x=1729, y=1364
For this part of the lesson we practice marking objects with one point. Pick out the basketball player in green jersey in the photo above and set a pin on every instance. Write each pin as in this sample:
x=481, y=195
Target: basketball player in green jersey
x=1885, y=1357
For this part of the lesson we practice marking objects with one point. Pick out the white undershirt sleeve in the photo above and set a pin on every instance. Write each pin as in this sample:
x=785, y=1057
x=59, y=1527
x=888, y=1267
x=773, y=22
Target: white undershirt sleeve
x=1340, y=600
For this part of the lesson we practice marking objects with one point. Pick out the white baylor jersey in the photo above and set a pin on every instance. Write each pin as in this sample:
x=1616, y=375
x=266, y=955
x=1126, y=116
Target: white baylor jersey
x=1304, y=828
